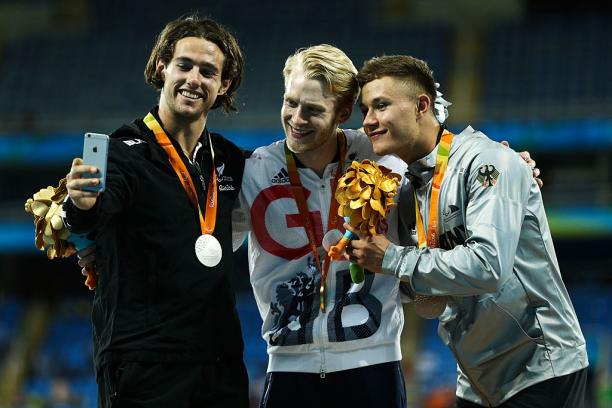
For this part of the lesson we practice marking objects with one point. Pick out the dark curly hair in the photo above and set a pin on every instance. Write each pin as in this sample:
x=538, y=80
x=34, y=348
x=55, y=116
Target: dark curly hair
x=193, y=25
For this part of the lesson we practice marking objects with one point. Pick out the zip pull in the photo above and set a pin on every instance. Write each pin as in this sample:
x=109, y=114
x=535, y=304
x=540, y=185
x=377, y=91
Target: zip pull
x=323, y=370
x=199, y=169
x=322, y=298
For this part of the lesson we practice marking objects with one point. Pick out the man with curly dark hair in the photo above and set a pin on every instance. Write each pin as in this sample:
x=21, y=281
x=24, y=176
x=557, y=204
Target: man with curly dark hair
x=166, y=331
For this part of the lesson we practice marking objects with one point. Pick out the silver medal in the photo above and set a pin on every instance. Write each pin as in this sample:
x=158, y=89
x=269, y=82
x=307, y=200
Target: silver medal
x=208, y=250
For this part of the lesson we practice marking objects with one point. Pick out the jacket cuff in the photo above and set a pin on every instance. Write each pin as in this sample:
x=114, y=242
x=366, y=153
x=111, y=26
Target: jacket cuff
x=401, y=262
x=392, y=260
x=77, y=220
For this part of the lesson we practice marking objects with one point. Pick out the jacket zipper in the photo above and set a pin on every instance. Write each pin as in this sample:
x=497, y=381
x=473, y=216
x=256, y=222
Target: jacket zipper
x=323, y=368
x=318, y=337
x=199, y=171
x=324, y=200
x=452, y=347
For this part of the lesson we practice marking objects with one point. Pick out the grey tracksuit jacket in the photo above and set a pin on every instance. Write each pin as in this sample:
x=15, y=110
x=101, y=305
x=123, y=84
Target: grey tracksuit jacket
x=509, y=319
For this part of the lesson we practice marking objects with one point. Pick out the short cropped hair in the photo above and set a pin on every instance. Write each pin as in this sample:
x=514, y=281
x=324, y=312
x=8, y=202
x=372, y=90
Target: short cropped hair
x=329, y=64
x=195, y=26
x=414, y=71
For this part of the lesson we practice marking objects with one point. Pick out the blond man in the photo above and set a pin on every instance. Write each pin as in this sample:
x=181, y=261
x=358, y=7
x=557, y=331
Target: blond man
x=341, y=348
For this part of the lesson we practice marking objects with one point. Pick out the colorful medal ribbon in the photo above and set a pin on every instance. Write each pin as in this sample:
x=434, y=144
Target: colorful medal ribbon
x=300, y=199
x=207, y=223
x=433, y=241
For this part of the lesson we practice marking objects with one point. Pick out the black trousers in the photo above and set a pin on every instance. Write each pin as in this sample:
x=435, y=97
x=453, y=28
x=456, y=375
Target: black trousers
x=567, y=391
x=223, y=384
x=376, y=386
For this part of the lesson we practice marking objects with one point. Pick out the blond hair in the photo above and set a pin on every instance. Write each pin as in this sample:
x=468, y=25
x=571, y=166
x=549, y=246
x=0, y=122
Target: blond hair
x=330, y=65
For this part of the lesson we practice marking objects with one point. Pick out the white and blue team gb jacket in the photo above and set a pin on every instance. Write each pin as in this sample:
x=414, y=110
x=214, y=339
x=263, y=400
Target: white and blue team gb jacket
x=361, y=324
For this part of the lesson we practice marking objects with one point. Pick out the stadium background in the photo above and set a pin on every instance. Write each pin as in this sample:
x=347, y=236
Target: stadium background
x=536, y=73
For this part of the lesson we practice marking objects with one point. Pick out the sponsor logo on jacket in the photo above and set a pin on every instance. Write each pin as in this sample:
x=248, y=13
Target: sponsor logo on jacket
x=454, y=230
x=282, y=177
x=133, y=142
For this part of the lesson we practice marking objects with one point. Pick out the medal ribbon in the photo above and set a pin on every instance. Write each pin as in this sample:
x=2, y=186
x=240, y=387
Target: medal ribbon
x=207, y=223
x=432, y=240
x=300, y=200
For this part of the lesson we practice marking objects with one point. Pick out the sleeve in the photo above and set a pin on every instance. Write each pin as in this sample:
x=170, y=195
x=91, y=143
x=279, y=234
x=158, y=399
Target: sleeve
x=241, y=221
x=120, y=187
x=241, y=214
x=497, y=189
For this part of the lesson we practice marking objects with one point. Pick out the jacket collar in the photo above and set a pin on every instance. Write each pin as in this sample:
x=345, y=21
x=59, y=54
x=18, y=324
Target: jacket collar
x=157, y=152
x=422, y=170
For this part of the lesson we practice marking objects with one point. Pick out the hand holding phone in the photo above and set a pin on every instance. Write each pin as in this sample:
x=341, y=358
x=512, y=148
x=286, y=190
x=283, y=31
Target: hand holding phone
x=95, y=153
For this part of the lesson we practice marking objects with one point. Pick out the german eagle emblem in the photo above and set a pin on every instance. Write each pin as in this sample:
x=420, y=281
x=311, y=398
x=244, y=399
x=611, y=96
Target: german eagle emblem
x=487, y=175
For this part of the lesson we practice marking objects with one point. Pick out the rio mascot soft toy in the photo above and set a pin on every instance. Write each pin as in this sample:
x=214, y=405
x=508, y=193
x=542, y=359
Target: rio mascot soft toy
x=52, y=235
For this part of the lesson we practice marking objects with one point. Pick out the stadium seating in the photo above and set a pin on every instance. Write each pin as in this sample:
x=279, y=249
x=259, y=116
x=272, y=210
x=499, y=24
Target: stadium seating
x=62, y=370
x=549, y=68
x=11, y=314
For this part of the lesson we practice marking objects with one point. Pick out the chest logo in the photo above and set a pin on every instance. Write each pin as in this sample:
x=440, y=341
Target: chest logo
x=283, y=218
x=220, y=170
x=133, y=142
x=487, y=175
x=282, y=177
x=225, y=182
x=450, y=211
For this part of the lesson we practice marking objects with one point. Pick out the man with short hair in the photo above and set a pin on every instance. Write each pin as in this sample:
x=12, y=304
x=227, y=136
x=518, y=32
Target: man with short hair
x=166, y=331
x=329, y=348
x=480, y=241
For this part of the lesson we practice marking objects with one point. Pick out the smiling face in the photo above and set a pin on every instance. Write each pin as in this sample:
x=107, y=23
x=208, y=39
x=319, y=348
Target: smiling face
x=310, y=115
x=392, y=115
x=192, y=79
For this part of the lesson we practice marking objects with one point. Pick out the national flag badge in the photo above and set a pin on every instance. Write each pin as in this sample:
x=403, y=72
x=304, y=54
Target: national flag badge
x=487, y=175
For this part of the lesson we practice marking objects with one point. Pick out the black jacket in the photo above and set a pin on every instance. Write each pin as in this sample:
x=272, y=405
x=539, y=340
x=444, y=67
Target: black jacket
x=154, y=301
